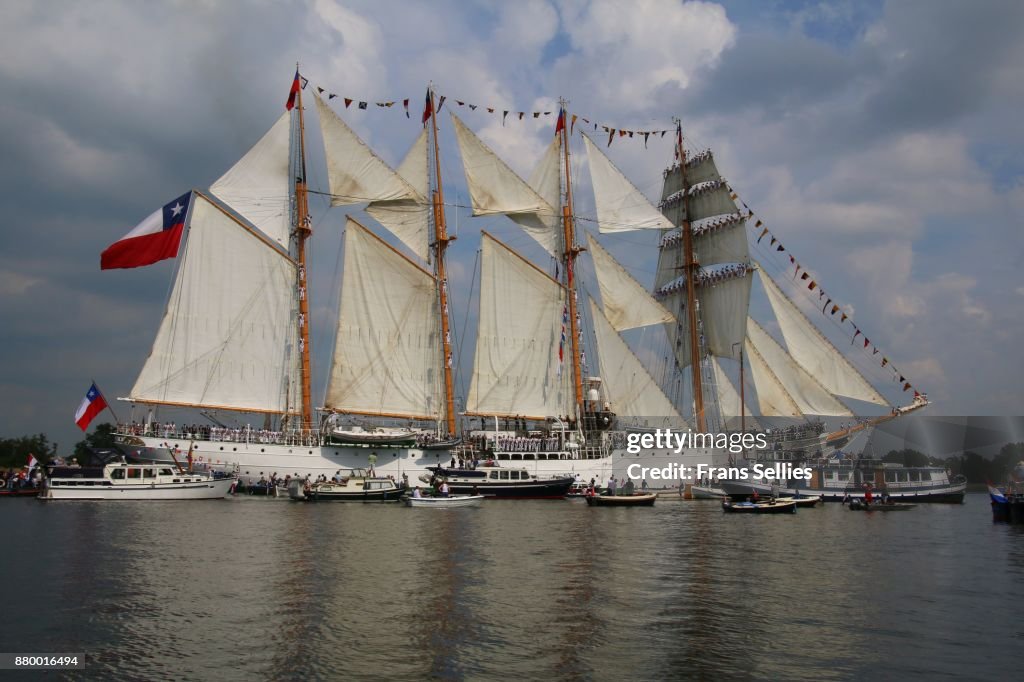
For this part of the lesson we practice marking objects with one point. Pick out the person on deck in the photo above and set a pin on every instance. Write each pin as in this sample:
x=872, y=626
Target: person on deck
x=416, y=493
x=372, y=459
x=444, y=489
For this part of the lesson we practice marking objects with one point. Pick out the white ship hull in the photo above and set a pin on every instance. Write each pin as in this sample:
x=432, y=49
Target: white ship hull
x=253, y=460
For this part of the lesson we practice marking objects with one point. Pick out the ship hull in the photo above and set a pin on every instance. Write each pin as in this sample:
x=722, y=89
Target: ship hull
x=253, y=460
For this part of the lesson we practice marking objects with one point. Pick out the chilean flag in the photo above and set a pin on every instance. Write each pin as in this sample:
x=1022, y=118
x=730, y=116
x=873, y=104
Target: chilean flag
x=293, y=93
x=154, y=239
x=92, y=405
x=428, y=108
x=32, y=462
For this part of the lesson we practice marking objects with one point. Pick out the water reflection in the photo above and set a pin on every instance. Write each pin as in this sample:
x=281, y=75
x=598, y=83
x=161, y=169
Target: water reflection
x=279, y=590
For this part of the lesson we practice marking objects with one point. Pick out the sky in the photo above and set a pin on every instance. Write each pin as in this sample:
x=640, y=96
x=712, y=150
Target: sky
x=880, y=142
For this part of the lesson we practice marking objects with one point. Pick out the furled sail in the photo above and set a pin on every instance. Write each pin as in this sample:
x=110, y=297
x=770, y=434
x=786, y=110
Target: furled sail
x=235, y=348
x=517, y=370
x=355, y=173
x=632, y=391
x=814, y=352
x=723, y=298
x=409, y=218
x=387, y=358
x=258, y=186
x=625, y=302
x=729, y=406
x=494, y=188
x=809, y=395
x=621, y=207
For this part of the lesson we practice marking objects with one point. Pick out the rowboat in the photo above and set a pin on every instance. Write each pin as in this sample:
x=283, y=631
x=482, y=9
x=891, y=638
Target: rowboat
x=444, y=502
x=857, y=504
x=635, y=500
x=766, y=507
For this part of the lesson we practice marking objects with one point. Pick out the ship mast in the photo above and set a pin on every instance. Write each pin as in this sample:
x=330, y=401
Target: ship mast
x=690, y=267
x=302, y=233
x=571, y=251
x=441, y=240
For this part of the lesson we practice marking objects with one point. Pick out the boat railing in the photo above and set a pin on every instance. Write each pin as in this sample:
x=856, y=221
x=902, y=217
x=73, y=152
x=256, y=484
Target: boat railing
x=298, y=437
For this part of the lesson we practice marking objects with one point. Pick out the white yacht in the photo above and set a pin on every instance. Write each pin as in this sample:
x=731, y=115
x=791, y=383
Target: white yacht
x=123, y=481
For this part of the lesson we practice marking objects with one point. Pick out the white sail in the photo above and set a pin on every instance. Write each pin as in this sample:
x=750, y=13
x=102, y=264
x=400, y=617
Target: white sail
x=729, y=406
x=355, y=173
x=814, y=352
x=409, y=219
x=494, y=188
x=228, y=337
x=808, y=394
x=545, y=226
x=258, y=187
x=387, y=358
x=516, y=370
x=772, y=398
x=632, y=391
x=621, y=207
x=626, y=303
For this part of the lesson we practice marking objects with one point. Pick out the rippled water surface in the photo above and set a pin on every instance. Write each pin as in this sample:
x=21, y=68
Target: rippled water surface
x=269, y=589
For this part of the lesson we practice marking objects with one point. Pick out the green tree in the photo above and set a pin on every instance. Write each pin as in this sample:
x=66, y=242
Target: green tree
x=101, y=437
x=14, y=452
x=907, y=457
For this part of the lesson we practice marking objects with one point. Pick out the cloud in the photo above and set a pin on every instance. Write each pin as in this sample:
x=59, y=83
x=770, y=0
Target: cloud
x=880, y=143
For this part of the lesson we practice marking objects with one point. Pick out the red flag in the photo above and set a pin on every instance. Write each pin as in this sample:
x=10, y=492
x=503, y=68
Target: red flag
x=293, y=93
x=560, y=124
x=428, y=109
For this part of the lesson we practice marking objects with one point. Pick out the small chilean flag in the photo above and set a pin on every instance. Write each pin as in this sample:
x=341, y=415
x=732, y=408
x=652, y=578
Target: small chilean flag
x=428, y=108
x=92, y=404
x=560, y=126
x=154, y=239
x=293, y=93
x=32, y=462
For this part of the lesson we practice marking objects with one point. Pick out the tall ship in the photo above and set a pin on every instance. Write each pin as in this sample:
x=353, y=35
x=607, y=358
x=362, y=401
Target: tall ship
x=234, y=340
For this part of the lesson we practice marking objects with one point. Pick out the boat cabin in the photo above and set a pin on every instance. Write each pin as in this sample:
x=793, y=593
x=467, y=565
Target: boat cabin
x=120, y=474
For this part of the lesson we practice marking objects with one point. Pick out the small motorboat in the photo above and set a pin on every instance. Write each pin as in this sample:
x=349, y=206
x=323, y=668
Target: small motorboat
x=770, y=506
x=634, y=500
x=449, y=502
x=858, y=504
x=504, y=482
x=353, y=485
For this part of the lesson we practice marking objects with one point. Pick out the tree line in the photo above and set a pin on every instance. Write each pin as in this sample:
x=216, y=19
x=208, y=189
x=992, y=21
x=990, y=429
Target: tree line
x=972, y=466
x=14, y=452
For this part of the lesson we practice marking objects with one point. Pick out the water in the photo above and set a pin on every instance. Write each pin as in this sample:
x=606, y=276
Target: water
x=270, y=589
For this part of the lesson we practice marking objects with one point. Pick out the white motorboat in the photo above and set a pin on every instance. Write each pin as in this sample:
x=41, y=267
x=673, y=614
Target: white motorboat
x=123, y=481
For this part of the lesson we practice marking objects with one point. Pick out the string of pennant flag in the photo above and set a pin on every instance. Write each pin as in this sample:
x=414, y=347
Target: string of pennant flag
x=507, y=115
x=830, y=307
